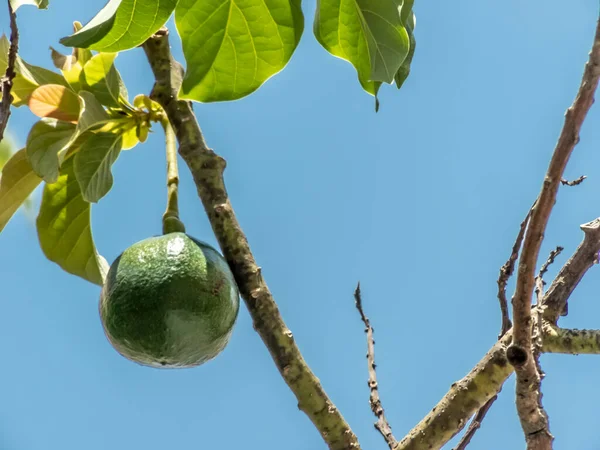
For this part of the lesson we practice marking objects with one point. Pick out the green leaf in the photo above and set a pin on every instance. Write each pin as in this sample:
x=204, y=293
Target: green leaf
x=93, y=164
x=6, y=149
x=101, y=78
x=44, y=144
x=83, y=55
x=404, y=69
x=92, y=112
x=232, y=48
x=28, y=78
x=41, y=4
x=122, y=24
x=64, y=228
x=369, y=34
x=17, y=182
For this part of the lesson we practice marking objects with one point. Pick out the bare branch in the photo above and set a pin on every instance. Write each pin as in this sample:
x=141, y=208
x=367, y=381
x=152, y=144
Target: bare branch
x=506, y=272
x=485, y=380
x=539, y=280
x=382, y=425
x=533, y=418
x=475, y=424
x=7, y=80
x=572, y=272
x=575, y=182
x=207, y=170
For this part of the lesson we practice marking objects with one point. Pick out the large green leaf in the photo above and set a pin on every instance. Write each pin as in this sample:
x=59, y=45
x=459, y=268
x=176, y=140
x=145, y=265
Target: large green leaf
x=233, y=46
x=122, y=24
x=41, y=4
x=64, y=228
x=101, y=78
x=369, y=34
x=17, y=182
x=93, y=162
x=44, y=144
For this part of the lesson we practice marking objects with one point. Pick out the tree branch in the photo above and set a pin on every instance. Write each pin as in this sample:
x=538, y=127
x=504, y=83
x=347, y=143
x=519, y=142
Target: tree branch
x=572, y=342
x=506, y=272
x=485, y=380
x=382, y=424
x=572, y=272
x=7, y=80
x=207, y=170
x=534, y=420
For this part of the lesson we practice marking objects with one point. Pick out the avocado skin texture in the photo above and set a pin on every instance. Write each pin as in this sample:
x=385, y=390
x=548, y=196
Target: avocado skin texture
x=169, y=301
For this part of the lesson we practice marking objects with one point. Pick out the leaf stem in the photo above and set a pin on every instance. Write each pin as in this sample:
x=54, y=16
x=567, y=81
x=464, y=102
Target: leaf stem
x=170, y=220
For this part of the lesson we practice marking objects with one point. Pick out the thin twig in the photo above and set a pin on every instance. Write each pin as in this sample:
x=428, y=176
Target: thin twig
x=207, y=170
x=539, y=280
x=6, y=81
x=573, y=182
x=506, y=272
x=485, y=380
x=534, y=420
x=475, y=424
x=382, y=425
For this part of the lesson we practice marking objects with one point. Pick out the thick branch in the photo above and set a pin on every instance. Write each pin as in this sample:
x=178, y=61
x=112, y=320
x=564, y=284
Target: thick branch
x=533, y=418
x=572, y=272
x=382, y=424
x=207, y=169
x=572, y=342
x=9, y=75
x=485, y=380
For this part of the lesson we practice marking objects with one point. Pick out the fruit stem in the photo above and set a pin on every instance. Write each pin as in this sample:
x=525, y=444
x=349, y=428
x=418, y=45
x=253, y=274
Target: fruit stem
x=170, y=220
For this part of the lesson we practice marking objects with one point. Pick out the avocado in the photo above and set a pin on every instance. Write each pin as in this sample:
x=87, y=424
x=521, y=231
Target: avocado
x=169, y=301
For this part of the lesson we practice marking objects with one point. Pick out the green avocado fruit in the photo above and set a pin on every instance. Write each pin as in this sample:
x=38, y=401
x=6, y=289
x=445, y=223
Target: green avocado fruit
x=170, y=302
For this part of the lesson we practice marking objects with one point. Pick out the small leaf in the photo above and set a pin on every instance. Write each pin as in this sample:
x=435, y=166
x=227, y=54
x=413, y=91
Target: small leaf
x=101, y=78
x=41, y=4
x=64, y=228
x=53, y=100
x=122, y=24
x=62, y=62
x=17, y=183
x=232, y=48
x=367, y=33
x=93, y=164
x=45, y=141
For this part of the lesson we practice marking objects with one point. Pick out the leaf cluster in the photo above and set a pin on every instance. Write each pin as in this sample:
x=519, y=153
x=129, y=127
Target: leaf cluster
x=85, y=121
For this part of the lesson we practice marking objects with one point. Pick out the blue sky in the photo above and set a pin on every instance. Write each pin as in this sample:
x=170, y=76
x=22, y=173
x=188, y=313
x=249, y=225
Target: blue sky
x=420, y=202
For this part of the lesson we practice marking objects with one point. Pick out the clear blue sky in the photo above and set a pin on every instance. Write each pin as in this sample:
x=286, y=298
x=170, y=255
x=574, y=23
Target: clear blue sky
x=420, y=202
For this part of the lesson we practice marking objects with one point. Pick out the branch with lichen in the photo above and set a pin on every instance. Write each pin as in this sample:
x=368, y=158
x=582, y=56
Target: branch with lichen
x=207, y=170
